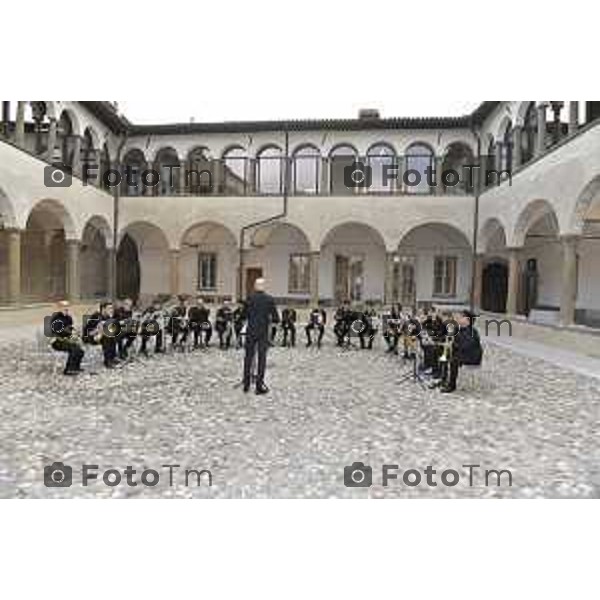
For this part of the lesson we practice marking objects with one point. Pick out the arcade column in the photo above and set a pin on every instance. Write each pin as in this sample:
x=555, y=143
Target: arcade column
x=568, y=294
x=513, y=281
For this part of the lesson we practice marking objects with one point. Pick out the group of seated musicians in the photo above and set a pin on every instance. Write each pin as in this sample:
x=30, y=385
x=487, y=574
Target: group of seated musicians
x=445, y=340
x=116, y=329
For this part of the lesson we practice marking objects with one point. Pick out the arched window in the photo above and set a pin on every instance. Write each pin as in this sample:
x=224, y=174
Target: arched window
x=529, y=135
x=307, y=170
x=88, y=155
x=104, y=166
x=381, y=157
x=507, y=148
x=64, y=136
x=270, y=171
x=234, y=176
x=199, y=176
x=457, y=156
x=339, y=158
x=419, y=157
x=168, y=166
x=134, y=164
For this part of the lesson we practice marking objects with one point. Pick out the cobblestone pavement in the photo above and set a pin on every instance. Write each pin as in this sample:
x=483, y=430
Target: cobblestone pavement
x=327, y=409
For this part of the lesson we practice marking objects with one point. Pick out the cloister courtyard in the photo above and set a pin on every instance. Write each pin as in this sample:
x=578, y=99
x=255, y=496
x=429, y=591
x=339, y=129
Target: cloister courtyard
x=327, y=409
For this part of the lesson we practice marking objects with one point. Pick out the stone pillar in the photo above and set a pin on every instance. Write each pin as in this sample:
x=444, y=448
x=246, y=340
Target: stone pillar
x=324, y=187
x=14, y=265
x=541, y=129
x=183, y=183
x=76, y=155
x=516, y=154
x=477, y=281
x=439, y=168
x=250, y=176
x=174, y=272
x=568, y=294
x=513, y=281
x=51, y=140
x=150, y=190
x=218, y=173
x=499, y=156
x=5, y=117
x=20, y=125
x=390, y=263
x=314, y=278
x=573, y=116
x=110, y=272
x=72, y=269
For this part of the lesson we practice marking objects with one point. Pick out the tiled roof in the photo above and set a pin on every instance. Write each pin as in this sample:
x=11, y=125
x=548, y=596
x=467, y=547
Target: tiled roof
x=107, y=113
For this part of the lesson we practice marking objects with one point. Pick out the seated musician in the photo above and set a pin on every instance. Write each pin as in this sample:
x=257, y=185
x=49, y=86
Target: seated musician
x=64, y=339
x=178, y=324
x=128, y=335
x=368, y=329
x=199, y=323
x=433, y=330
x=466, y=349
x=342, y=323
x=239, y=319
x=317, y=319
x=392, y=330
x=288, y=326
x=152, y=318
x=110, y=331
x=224, y=325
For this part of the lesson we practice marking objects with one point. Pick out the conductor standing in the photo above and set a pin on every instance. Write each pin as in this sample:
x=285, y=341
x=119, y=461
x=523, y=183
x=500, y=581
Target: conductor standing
x=261, y=312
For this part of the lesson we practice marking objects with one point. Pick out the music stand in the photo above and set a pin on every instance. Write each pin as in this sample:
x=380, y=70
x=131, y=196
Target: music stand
x=414, y=373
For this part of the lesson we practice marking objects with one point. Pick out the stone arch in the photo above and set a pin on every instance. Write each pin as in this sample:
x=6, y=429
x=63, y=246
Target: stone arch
x=94, y=258
x=434, y=264
x=44, y=237
x=532, y=213
x=491, y=235
x=73, y=118
x=587, y=200
x=7, y=211
x=154, y=258
x=59, y=214
x=282, y=251
x=352, y=263
x=209, y=259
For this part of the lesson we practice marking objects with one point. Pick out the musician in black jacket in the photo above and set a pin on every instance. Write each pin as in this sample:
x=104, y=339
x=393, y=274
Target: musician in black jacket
x=64, y=339
x=110, y=332
x=367, y=328
x=466, y=349
x=261, y=312
x=317, y=319
x=288, y=325
x=341, y=327
x=179, y=324
x=239, y=319
x=128, y=334
x=199, y=323
x=152, y=326
x=393, y=328
x=224, y=325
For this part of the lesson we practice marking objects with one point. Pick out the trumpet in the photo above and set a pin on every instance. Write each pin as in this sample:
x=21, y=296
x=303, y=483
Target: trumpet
x=447, y=352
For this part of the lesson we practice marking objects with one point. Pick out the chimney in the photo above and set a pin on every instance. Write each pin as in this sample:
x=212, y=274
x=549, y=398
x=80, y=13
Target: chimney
x=368, y=113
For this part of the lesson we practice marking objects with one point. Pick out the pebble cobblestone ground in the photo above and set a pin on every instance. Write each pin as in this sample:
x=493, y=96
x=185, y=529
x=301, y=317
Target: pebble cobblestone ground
x=327, y=409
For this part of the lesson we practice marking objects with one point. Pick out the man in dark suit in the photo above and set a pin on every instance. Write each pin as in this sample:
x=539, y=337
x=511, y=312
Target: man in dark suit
x=466, y=349
x=61, y=331
x=261, y=312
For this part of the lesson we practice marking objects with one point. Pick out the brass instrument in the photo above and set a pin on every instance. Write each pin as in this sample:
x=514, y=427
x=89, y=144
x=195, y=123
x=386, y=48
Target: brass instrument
x=447, y=352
